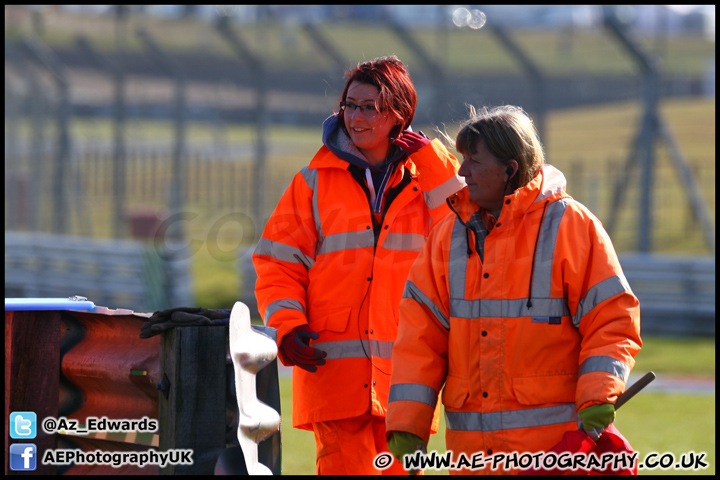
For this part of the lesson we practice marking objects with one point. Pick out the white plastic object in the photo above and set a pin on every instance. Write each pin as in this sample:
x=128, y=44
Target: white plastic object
x=251, y=351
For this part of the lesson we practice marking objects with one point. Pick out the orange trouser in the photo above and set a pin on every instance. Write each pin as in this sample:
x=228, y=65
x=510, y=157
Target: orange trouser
x=350, y=446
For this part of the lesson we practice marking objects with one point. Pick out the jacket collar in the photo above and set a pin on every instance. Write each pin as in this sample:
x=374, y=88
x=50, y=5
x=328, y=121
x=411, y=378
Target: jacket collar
x=548, y=184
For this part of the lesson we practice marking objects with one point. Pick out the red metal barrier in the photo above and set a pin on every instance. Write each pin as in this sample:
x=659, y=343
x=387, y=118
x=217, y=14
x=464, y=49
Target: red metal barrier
x=108, y=372
x=116, y=370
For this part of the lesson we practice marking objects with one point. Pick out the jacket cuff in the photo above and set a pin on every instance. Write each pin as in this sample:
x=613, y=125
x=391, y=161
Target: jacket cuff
x=437, y=173
x=411, y=417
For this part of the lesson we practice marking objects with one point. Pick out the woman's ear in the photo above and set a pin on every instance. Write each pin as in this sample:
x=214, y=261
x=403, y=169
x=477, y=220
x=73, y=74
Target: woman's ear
x=395, y=132
x=512, y=168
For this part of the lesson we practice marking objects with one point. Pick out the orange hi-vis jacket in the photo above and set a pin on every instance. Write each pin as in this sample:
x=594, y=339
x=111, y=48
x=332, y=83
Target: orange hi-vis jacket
x=543, y=325
x=320, y=262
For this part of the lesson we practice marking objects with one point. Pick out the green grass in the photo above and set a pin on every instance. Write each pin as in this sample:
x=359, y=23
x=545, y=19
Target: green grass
x=652, y=421
x=693, y=356
x=219, y=282
x=661, y=422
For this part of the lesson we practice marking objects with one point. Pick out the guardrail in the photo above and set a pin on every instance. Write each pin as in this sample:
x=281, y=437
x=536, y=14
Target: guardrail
x=677, y=294
x=128, y=273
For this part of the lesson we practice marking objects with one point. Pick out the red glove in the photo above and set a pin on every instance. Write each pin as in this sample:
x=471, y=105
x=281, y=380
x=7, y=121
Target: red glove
x=411, y=142
x=295, y=347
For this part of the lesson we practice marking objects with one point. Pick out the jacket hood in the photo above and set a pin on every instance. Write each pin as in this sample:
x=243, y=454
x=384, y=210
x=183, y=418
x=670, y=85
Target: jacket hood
x=339, y=143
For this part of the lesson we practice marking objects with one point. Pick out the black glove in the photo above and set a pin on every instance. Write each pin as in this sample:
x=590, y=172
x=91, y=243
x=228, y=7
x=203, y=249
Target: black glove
x=295, y=347
x=183, y=317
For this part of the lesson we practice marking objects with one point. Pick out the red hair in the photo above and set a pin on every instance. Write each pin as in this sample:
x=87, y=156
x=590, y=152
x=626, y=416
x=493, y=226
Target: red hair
x=397, y=91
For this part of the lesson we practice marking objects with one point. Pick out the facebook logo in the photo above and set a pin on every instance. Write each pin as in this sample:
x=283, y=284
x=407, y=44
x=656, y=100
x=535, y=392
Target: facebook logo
x=23, y=456
x=23, y=425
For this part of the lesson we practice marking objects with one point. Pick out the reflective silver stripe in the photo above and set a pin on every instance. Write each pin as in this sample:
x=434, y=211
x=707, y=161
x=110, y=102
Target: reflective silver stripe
x=607, y=365
x=510, y=419
x=457, y=266
x=346, y=241
x=404, y=241
x=542, y=273
x=355, y=349
x=281, y=304
x=413, y=392
x=437, y=196
x=506, y=308
x=600, y=292
x=412, y=291
x=311, y=178
x=381, y=348
x=283, y=252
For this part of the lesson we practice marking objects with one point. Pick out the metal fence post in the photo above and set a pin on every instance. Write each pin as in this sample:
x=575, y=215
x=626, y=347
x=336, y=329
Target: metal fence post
x=653, y=127
x=179, y=163
x=118, y=180
x=537, y=79
x=41, y=54
x=432, y=68
x=257, y=66
x=12, y=148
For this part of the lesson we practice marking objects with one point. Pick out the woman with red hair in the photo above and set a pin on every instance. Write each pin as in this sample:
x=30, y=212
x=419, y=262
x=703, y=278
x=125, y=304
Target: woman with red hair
x=334, y=256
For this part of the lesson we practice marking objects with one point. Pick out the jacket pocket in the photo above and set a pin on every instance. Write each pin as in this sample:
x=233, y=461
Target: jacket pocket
x=334, y=320
x=455, y=392
x=545, y=389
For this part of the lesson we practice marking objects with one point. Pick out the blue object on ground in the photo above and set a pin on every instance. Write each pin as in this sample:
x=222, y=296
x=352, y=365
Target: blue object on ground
x=72, y=303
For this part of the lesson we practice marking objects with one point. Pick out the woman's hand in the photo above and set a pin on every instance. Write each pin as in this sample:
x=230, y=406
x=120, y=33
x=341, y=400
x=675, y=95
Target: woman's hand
x=411, y=142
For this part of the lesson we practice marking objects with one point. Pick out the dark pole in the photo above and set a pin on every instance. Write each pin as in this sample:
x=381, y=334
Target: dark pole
x=119, y=143
x=255, y=64
x=175, y=230
x=42, y=54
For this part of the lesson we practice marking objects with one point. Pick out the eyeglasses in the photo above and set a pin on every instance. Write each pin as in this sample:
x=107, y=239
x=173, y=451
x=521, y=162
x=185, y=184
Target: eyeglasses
x=369, y=111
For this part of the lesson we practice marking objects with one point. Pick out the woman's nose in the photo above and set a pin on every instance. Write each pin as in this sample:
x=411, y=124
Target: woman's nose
x=357, y=115
x=463, y=172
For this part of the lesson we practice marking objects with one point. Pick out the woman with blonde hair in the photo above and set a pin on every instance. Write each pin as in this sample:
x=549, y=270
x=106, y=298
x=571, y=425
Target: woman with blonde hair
x=516, y=308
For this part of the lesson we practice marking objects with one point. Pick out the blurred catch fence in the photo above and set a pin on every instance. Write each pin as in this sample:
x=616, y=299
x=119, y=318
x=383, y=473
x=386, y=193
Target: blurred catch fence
x=675, y=222
x=82, y=364
x=216, y=179
x=221, y=179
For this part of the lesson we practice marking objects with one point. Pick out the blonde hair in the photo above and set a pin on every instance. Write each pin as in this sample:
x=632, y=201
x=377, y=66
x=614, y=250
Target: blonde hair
x=507, y=133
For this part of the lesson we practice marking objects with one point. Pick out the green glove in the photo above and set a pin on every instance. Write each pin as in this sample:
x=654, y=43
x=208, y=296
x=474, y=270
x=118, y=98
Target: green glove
x=402, y=443
x=596, y=417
